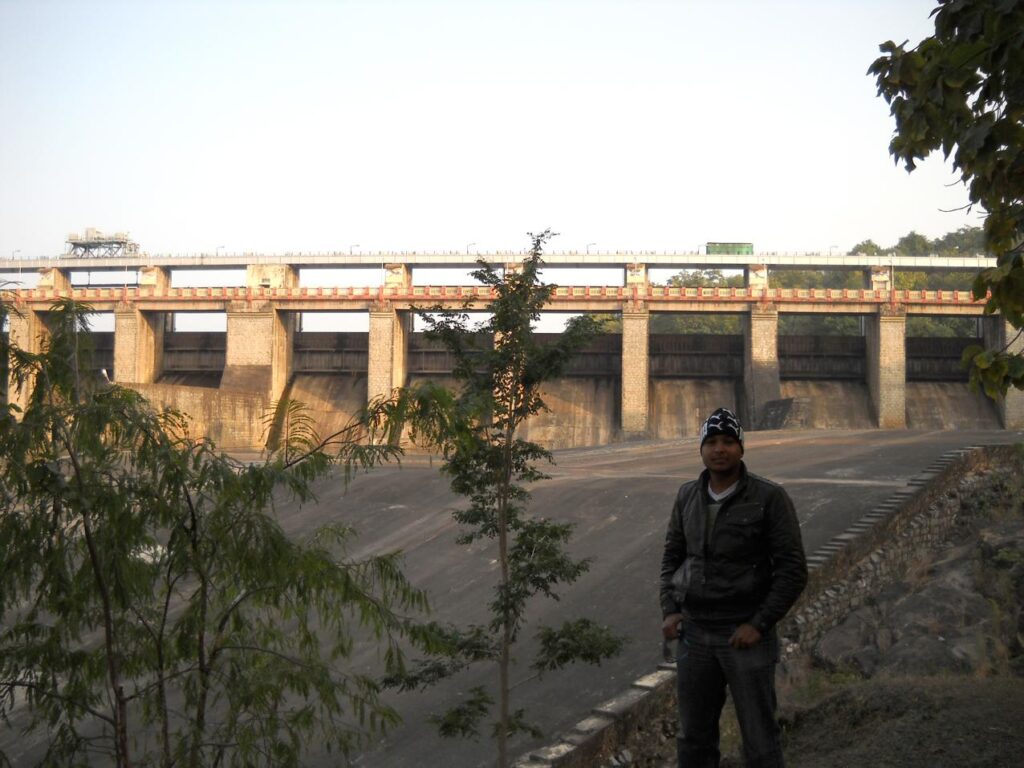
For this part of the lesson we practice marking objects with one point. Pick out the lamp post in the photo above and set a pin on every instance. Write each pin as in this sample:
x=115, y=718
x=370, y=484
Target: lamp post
x=217, y=250
x=354, y=245
x=468, y=246
x=588, y=247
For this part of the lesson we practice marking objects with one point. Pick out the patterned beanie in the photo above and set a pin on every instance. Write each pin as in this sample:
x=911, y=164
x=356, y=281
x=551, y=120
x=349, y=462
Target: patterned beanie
x=721, y=422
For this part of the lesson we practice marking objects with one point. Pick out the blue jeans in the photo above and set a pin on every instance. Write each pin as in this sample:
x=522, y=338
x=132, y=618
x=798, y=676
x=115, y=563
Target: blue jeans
x=706, y=664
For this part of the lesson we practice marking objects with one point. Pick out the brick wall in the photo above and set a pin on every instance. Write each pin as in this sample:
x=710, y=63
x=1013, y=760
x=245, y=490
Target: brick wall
x=635, y=364
x=760, y=361
x=887, y=367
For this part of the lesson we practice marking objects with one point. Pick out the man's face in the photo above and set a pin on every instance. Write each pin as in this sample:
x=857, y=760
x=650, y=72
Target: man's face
x=721, y=453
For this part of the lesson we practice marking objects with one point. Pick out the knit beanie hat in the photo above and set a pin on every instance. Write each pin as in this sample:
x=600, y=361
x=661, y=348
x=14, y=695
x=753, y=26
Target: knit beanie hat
x=721, y=422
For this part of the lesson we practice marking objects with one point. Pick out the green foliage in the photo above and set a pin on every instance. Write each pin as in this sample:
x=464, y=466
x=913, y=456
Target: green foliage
x=815, y=278
x=153, y=610
x=702, y=322
x=944, y=327
x=966, y=241
x=580, y=640
x=792, y=324
x=914, y=244
x=501, y=367
x=696, y=323
x=706, y=278
x=461, y=720
x=952, y=280
x=961, y=91
x=866, y=247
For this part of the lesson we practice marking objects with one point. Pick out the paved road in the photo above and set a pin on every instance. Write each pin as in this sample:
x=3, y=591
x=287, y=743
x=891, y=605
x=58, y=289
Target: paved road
x=619, y=498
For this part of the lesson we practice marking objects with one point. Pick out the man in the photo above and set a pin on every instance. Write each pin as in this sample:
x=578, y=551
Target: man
x=733, y=566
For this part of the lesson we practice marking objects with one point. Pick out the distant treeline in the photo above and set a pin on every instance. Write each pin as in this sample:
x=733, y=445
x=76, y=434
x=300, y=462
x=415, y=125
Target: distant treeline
x=966, y=241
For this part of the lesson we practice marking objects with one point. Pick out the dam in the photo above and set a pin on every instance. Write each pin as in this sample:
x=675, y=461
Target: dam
x=631, y=382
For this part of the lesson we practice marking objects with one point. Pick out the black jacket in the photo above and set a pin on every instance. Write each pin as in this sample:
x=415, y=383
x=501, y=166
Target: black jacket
x=753, y=567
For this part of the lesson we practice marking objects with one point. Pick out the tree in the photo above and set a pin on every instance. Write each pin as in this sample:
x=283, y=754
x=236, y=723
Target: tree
x=913, y=244
x=866, y=247
x=475, y=428
x=152, y=610
x=961, y=91
x=702, y=322
x=966, y=241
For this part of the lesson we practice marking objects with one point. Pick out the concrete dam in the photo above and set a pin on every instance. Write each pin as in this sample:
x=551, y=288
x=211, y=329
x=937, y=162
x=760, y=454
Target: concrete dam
x=822, y=385
x=627, y=384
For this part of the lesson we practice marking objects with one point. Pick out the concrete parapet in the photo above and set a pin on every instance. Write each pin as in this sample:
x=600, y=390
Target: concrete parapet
x=611, y=725
x=635, y=373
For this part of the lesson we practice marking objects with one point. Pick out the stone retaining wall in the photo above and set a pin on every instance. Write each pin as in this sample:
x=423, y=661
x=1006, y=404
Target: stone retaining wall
x=873, y=552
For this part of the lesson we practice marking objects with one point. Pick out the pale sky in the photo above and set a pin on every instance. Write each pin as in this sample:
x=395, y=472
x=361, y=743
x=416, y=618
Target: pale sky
x=295, y=126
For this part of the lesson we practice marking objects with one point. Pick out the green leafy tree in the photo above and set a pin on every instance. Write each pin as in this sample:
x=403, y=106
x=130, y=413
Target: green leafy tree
x=699, y=323
x=966, y=241
x=947, y=327
x=815, y=278
x=791, y=324
x=961, y=91
x=947, y=280
x=866, y=247
x=706, y=278
x=476, y=429
x=914, y=244
x=152, y=610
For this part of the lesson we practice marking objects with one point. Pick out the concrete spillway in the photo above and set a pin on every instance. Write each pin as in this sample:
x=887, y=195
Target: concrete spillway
x=948, y=405
x=828, y=405
x=583, y=410
x=331, y=399
x=678, y=406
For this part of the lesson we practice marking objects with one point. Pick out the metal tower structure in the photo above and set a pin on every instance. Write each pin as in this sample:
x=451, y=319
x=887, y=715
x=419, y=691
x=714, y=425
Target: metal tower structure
x=95, y=244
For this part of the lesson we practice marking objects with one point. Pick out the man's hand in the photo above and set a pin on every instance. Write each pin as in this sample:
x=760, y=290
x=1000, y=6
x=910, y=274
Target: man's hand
x=745, y=636
x=670, y=626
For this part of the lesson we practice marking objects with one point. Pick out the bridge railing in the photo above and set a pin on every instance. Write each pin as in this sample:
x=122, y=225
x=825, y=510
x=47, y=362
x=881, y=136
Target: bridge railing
x=426, y=294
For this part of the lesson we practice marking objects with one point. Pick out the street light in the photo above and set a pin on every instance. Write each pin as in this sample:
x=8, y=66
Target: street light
x=354, y=245
x=588, y=246
x=468, y=246
x=17, y=250
x=218, y=250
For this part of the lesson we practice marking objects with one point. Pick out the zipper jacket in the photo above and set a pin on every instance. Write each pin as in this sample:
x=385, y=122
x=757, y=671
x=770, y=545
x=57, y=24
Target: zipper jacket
x=750, y=569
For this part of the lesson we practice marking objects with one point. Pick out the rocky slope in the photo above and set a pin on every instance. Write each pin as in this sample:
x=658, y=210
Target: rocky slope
x=930, y=672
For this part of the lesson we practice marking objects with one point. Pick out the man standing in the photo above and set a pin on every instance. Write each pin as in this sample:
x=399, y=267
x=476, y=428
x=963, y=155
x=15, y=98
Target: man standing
x=733, y=566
